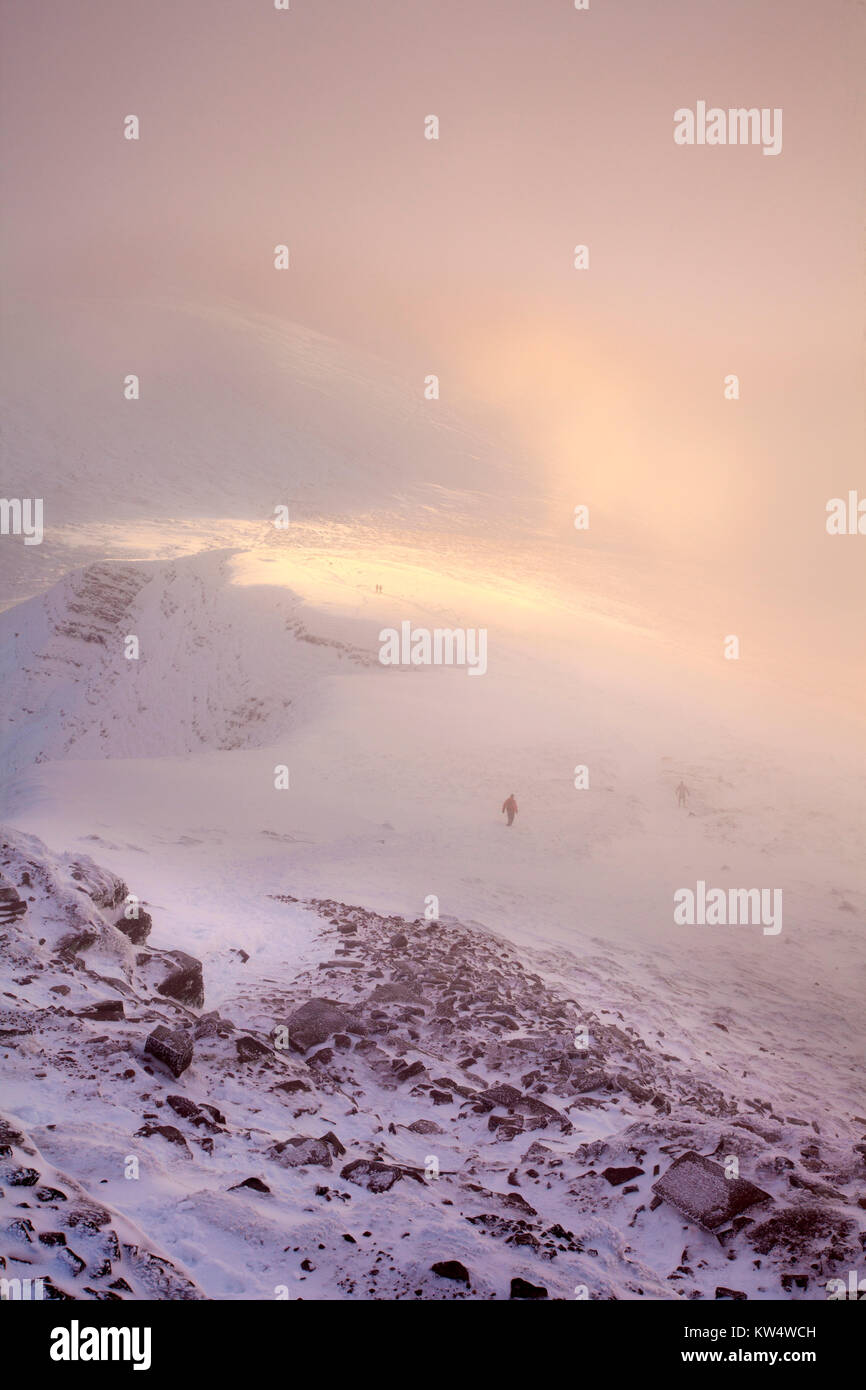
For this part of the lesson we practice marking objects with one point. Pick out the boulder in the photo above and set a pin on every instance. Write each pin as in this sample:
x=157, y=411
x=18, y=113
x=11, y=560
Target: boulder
x=183, y=1106
x=700, y=1191
x=413, y=1069
x=370, y=1173
x=184, y=983
x=617, y=1176
x=521, y=1288
x=251, y=1050
x=136, y=928
x=106, y=1011
x=302, y=1150
x=451, y=1269
x=172, y=1047
x=502, y=1094
x=314, y=1022
x=394, y=992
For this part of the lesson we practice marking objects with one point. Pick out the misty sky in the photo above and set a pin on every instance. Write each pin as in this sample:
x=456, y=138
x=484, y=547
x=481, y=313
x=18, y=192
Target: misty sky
x=455, y=256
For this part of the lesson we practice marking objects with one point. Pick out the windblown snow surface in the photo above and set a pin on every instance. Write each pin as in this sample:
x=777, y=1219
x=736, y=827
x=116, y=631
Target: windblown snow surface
x=442, y=1109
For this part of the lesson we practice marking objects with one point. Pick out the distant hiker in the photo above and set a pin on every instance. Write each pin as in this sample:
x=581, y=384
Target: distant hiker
x=682, y=792
x=509, y=806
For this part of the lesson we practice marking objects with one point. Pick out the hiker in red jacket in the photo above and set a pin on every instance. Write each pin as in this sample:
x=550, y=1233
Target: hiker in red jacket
x=510, y=808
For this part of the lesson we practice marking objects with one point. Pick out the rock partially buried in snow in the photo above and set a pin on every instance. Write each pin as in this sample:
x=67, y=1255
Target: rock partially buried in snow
x=185, y=983
x=521, y=1288
x=370, y=1173
x=174, y=1049
x=106, y=1011
x=301, y=1150
x=698, y=1188
x=315, y=1022
x=617, y=1176
x=451, y=1269
x=251, y=1050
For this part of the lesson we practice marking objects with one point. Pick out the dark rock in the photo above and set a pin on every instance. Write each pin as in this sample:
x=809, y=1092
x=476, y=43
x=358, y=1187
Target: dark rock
x=722, y=1292
x=370, y=1173
x=451, y=1269
x=255, y=1183
x=106, y=1011
x=291, y=1087
x=173, y=1048
x=394, y=992
x=616, y=1176
x=183, y=1106
x=505, y=1126
x=408, y=1072
x=521, y=1288
x=23, y=1177
x=136, y=928
x=333, y=1142
x=52, y=1238
x=514, y=1199
x=251, y=1050
x=315, y=1022
x=11, y=905
x=185, y=983
x=424, y=1127
x=167, y=1132
x=699, y=1189
x=500, y=1095
x=441, y=1097
x=302, y=1151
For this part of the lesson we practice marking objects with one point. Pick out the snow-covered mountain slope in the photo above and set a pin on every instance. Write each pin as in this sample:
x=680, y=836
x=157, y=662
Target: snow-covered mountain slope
x=237, y=413
x=379, y=1108
x=164, y=768
x=213, y=670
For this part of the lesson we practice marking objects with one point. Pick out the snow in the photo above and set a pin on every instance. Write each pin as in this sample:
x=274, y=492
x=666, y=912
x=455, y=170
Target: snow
x=259, y=649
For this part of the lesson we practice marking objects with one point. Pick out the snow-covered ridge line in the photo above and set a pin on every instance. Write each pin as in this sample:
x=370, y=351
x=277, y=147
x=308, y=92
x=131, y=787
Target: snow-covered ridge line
x=211, y=669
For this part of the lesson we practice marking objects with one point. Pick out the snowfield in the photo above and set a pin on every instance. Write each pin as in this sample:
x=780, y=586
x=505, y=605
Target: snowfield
x=517, y=1041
